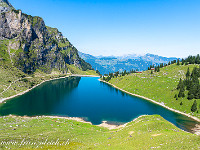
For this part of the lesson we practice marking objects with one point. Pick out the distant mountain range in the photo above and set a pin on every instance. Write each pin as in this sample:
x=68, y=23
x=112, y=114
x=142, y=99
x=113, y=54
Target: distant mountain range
x=106, y=64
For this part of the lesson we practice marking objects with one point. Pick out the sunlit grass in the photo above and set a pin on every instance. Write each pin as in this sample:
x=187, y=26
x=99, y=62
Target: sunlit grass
x=13, y=81
x=145, y=133
x=159, y=86
x=75, y=70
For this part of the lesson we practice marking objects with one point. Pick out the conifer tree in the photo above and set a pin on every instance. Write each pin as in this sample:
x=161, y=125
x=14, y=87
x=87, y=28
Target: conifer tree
x=103, y=78
x=181, y=93
x=197, y=60
x=116, y=74
x=178, y=62
x=158, y=70
x=197, y=94
x=194, y=106
x=190, y=95
x=191, y=82
x=183, y=61
x=180, y=84
x=176, y=97
x=188, y=73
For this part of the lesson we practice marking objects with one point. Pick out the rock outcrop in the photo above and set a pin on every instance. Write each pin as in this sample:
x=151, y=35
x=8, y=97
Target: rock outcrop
x=5, y=6
x=31, y=45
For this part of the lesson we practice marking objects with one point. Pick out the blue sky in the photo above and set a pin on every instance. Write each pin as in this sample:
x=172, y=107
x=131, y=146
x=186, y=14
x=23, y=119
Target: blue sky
x=118, y=27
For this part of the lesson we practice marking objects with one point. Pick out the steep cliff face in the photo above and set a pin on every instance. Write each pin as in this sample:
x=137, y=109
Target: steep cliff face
x=5, y=6
x=28, y=44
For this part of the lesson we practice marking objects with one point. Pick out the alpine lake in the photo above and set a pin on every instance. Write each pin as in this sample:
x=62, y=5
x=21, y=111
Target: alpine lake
x=89, y=99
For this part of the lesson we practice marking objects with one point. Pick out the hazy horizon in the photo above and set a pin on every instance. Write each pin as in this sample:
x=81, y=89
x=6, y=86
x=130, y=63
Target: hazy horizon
x=129, y=55
x=120, y=27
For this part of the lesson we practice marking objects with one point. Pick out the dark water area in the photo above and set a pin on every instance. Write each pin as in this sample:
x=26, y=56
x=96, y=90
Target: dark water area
x=87, y=98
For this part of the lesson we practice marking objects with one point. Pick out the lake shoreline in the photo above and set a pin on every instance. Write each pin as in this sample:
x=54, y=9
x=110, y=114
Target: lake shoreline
x=21, y=93
x=145, y=98
x=78, y=75
x=78, y=119
x=103, y=124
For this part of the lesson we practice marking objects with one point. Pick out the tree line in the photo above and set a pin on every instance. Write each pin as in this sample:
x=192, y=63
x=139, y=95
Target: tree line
x=108, y=77
x=161, y=65
x=191, y=60
x=190, y=84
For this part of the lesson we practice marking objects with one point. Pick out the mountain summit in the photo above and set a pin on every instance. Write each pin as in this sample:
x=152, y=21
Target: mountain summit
x=5, y=6
x=28, y=44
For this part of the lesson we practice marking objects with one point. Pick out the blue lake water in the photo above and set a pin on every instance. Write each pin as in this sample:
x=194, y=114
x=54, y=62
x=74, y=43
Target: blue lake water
x=90, y=99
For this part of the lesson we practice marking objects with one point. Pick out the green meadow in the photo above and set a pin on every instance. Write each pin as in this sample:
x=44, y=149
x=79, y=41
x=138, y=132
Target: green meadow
x=159, y=86
x=13, y=81
x=146, y=132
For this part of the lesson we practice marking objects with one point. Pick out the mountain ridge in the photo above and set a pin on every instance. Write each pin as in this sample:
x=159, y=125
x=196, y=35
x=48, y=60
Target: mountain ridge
x=28, y=44
x=32, y=53
x=106, y=64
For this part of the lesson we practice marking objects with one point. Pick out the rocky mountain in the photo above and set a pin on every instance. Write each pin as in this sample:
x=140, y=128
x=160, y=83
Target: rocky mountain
x=28, y=44
x=121, y=63
x=5, y=6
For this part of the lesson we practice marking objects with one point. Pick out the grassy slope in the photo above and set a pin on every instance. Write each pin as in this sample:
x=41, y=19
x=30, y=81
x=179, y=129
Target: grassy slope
x=75, y=70
x=144, y=133
x=20, y=81
x=13, y=76
x=160, y=86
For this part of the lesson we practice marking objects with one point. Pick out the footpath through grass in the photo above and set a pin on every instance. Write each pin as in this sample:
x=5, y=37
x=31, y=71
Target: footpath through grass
x=13, y=81
x=146, y=132
x=159, y=86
